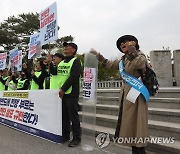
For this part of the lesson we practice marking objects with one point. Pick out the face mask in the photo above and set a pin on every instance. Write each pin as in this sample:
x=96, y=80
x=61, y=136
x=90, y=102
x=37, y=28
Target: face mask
x=22, y=76
x=13, y=77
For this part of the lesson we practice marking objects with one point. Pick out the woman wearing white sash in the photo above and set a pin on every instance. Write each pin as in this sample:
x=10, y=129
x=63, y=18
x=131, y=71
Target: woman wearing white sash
x=133, y=114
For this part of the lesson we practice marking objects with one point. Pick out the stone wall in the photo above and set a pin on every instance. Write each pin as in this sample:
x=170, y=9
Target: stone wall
x=161, y=63
x=176, y=56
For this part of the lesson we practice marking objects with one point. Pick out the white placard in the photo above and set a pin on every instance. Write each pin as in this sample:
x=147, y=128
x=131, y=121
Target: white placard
x=34, y=46
x=15, y=60
x=49, y=24
x=3, y=57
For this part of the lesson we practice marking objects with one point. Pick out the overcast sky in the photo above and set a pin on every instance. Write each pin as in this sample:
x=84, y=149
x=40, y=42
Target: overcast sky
x=98, y=23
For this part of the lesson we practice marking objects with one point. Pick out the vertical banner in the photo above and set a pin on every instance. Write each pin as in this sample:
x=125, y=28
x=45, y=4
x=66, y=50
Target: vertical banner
x=15, y=60
x=40, y=116
x=89, y=77
x=89, y=101
x=34, y=46
x=49, y=24
x=19, y=62
x=3, y=57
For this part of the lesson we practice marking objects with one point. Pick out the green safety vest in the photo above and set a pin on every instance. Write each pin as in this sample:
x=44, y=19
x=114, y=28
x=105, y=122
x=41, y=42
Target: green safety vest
x=2, y=86
x=11, y=83
x=64, y=70
x=20, y=83
x=34, y=85
x=54, y=82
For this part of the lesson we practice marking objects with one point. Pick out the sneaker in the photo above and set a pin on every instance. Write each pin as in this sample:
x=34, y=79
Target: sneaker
x=74, y=143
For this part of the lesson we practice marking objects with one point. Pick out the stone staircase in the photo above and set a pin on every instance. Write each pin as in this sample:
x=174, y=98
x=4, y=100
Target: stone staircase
x=164, y=116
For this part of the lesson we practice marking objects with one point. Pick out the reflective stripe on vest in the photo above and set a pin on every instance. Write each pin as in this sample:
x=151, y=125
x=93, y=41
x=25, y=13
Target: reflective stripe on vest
x=64, y=70
x=20, y=83
x=34, y=85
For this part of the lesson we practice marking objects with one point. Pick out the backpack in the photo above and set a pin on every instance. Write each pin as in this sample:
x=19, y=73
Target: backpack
x=149, y=79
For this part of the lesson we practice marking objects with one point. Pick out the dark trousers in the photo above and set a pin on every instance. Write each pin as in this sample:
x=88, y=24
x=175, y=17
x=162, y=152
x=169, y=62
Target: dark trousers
x=70, y=114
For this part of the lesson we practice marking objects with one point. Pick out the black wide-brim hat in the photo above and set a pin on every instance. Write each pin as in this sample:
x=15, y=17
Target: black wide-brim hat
x=127, y=38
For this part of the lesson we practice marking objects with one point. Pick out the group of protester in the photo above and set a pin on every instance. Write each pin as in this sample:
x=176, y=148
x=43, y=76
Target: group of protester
x=65, y=72
x=32, y=80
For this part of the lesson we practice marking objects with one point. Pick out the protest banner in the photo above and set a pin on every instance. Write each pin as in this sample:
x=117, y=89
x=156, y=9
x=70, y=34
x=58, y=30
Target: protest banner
x=15, y=60
x=40, y=116
x=3, y=57
x=34, y=46
x=49, y=24
x=89, y=100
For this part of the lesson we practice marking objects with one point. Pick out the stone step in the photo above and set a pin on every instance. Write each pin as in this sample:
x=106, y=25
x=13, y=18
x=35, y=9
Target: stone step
x=158, y=114
x=164, y=129
x=156, y=128
x=105, y=100
x=108, y=121
x=166, y=115
x=168, y=103
x=153, y=147
x=169, y=92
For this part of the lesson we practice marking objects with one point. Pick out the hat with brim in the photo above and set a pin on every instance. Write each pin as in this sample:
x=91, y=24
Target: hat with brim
x=71, y=44
x=126, y=38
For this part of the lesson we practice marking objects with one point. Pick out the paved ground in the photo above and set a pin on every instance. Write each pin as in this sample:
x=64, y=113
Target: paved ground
x=16, y=142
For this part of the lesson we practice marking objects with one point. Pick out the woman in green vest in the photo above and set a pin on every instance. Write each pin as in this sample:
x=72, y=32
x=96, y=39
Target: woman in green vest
x=12, y=82
x=23, y=82
x=38, y=76
x=3, y=79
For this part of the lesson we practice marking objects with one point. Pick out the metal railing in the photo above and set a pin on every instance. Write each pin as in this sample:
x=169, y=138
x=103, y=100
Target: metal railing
x=109, y=84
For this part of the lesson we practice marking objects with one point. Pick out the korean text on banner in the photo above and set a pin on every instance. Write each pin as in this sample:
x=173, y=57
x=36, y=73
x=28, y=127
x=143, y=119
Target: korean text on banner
x=49, y=24
x=34, y=46
x=3, y=57
x=89, y=78
x=15, y=60
x=40, y=116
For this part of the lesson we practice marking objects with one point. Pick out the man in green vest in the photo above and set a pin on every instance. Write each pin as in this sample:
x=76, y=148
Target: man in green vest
x=53, y=69
x=69, y=72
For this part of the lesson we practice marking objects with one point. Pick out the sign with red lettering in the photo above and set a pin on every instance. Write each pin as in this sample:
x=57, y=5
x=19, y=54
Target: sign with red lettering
x=34, y=46
x=48, y=24
x=3, y=57
x=89, y=84
x=15, y=60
